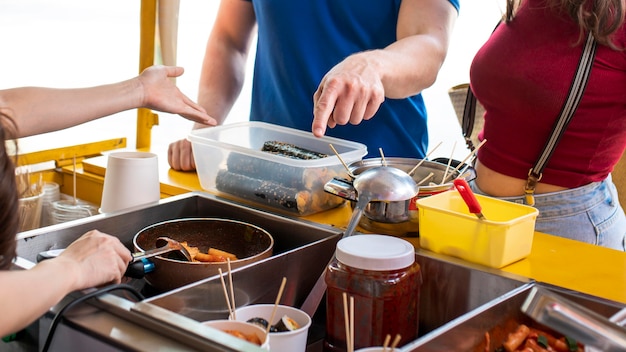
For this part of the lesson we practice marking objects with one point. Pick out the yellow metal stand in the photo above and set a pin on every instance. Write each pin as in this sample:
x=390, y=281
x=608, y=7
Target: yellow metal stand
x=145, y=117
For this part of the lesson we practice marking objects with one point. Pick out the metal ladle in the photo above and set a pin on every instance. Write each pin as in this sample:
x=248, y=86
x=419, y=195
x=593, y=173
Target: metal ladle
x=165, y=245
x=383, y=183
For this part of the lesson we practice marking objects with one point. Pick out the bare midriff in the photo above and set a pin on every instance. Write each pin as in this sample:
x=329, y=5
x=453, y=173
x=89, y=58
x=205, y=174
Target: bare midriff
x=496, y=184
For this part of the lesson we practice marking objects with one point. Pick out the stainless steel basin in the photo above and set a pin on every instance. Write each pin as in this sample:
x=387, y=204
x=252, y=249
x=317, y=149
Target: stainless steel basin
x=451, y=287
x=499, y=317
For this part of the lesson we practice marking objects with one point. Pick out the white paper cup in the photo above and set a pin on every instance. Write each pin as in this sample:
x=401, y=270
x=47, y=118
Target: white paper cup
x=131, y=179
x=242, y=327
x=289, y=341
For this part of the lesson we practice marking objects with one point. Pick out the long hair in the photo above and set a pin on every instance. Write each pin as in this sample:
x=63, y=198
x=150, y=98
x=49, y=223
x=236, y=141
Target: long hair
x=9, y=222
x=600, y=17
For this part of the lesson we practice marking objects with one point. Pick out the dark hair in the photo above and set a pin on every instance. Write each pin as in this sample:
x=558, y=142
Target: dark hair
x=9, y=222
x=600, y=17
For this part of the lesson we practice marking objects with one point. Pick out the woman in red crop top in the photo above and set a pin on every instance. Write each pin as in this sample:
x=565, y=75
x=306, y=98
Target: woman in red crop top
x=522, y=76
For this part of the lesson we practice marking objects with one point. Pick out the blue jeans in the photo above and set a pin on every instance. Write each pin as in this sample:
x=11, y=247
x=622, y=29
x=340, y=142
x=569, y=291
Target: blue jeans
x=590, y=214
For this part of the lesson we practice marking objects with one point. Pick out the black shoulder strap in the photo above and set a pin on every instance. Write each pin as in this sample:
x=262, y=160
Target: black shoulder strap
x=576, y=90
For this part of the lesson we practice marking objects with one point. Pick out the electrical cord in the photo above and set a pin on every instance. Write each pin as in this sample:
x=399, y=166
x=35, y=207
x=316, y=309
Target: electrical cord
x=59, y=316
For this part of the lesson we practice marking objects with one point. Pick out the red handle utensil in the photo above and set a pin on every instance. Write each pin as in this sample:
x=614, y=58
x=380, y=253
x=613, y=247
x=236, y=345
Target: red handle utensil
x=468, y=196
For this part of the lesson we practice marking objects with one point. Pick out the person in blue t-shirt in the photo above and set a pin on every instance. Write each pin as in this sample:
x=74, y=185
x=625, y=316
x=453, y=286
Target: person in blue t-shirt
x=350, y=69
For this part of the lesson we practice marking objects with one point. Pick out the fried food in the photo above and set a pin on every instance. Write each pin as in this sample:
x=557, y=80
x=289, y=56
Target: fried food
x=213, y=255
x=252, y=338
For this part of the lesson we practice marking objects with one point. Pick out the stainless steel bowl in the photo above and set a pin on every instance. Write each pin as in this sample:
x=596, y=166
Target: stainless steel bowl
x=398, y=217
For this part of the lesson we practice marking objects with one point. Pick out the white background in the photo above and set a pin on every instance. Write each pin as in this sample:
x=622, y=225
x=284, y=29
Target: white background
x=72, y=43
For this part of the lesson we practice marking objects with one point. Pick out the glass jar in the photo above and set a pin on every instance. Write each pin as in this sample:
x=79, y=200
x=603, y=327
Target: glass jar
x=381, y=273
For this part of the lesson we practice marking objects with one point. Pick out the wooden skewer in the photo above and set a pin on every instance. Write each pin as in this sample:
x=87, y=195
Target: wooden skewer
x=386, y=343
x=449, y=162
x=230, y=309
x=74, y=178
x=346, y=318
x=470, y=155
x=232, y=290
x=280, y=293
x=341, y=160
x=351, y=324
x=395, y=342
x=422, y=161
x=382, y=156
x=430, y=175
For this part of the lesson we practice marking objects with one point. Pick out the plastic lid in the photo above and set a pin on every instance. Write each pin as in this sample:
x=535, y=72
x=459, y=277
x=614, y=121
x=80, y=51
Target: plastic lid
x=375, y=252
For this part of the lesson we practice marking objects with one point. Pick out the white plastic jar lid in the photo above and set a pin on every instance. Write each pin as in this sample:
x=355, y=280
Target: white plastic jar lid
x=375, y=252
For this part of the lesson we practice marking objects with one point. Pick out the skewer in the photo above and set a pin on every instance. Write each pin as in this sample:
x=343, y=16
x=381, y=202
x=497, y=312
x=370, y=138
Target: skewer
x=430, y=175
x=351, y=324
x=230, y=309
x=382, y=156
x=463, y=170
x=232, y=290
x=386, y=343
x=445, y=174
x=346, y=319
x=342, y=162
x=395, y=342
x=348, y=315
x=470, y=155
x=422, y=161
x=280, y=293
x=74, y=178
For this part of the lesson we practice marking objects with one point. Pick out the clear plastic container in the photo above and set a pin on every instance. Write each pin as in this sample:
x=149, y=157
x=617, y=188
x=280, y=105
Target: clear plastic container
x=381, y=273
x=230, y=162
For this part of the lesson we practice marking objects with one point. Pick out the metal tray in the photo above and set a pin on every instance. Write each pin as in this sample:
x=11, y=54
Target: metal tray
x=499, y=317
x=451, y=287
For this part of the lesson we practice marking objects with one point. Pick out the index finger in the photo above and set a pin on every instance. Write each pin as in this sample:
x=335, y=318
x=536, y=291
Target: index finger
x=323, y=105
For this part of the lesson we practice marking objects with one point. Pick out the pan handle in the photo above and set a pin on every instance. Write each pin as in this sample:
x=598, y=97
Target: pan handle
x=137, y=268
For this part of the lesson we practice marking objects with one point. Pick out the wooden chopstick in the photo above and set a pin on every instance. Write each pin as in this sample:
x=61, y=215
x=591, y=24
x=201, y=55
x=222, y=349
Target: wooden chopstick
x=232, y=290
x=231, y=311
x=280, y=293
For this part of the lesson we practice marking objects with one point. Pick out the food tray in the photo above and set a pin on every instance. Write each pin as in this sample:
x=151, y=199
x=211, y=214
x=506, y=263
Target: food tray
x=230, y=162
x=487, y=327
x=446, y=226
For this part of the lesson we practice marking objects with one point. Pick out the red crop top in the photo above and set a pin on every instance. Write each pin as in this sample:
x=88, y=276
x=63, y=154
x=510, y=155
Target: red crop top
x=522, y=76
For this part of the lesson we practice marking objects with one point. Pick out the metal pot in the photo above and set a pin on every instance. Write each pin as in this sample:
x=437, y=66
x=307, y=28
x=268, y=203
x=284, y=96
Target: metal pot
x=399, y=217
x=248, y=242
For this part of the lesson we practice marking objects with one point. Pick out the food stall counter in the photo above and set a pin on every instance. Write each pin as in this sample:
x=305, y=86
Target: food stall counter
x=553, y=260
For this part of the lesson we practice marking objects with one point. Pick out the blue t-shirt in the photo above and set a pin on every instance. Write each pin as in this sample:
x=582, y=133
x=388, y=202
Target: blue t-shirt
x=300, y=41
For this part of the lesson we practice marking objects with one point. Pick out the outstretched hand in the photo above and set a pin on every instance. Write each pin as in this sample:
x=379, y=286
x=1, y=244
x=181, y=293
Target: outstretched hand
x=160, y=93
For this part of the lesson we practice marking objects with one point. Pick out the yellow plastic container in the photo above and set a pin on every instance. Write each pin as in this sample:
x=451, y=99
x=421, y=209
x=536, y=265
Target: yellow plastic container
x=446, y=226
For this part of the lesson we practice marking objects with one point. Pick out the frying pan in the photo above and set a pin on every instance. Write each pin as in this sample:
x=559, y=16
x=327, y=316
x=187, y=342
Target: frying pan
x=248, y=242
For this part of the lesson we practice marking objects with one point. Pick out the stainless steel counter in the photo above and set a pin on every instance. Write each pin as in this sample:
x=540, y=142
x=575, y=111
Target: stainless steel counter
x=171, y=320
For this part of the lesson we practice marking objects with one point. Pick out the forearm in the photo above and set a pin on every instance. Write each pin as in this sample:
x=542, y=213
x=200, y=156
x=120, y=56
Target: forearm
x=407, y=66
x=28, y=294
x=412, y=63
x=221, y=81
x=38, y=110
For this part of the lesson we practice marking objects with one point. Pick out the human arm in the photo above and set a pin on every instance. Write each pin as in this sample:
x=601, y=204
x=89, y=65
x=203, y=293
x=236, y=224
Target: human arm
x=39, y=110
x=354, y=89
x=92, y=260
x=223, y=71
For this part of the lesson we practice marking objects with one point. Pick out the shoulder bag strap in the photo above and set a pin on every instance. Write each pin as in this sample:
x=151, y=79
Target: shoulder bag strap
x=568, y=109
x=469, y=115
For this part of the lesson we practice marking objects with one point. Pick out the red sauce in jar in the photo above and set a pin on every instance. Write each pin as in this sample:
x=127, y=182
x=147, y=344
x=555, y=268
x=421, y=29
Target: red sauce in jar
x=381, y=274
